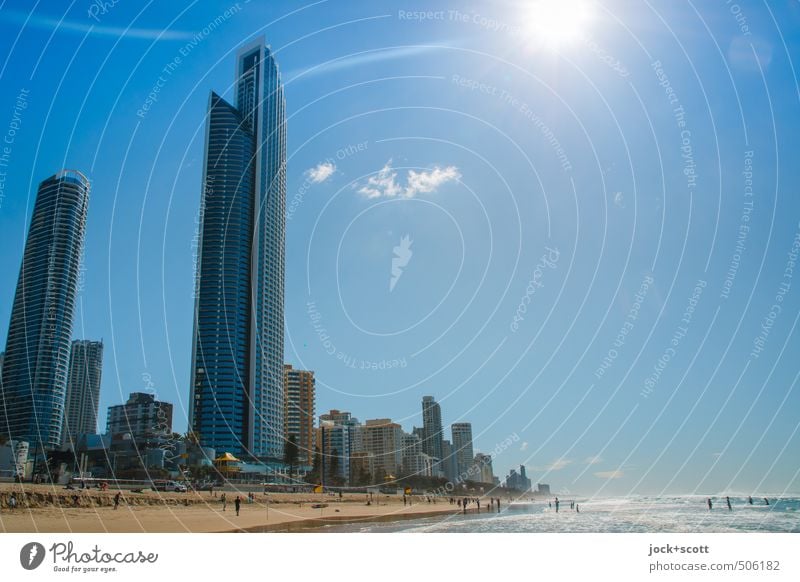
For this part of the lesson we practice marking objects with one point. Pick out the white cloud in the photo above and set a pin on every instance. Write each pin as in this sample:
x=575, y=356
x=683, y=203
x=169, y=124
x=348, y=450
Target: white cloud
x=429, y=181
x=384, y=184
x=321, y=172
x=610, y=474
x=619, y=199
x=593, y=460
x=559, y=464
x=524, y=446
x=556, y=465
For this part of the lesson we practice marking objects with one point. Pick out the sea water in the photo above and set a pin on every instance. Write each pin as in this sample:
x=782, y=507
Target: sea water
x=685, y=514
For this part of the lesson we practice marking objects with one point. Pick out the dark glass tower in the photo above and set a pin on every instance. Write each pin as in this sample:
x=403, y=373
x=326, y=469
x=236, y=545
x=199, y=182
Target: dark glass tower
x=38, y=344
x=432, y=427
x=237, y=403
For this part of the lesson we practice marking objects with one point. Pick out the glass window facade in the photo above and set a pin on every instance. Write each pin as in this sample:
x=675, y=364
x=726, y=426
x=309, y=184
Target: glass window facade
x=35, y=367
x=237, y=400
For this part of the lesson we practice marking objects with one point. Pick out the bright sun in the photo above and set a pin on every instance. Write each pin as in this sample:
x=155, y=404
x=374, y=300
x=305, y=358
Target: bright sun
x=558, y=22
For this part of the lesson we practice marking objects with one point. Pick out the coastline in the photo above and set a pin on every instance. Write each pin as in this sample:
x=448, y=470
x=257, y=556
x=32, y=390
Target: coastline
x=48, y=509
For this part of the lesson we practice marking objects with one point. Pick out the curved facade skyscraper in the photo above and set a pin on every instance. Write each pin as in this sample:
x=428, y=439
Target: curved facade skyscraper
x=236, y=402
x=38, y=345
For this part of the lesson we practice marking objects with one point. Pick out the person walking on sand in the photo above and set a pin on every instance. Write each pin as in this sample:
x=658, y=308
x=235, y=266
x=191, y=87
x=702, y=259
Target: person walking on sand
x=237, y=503
x=557, y=504
x=710, y=505
x=116, y=500
x=577, y=508
x=728, y=501
x=224, y=501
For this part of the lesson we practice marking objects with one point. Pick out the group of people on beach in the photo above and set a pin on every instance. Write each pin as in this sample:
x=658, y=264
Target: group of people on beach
x=710, y=503
x=572, y=505
x=237, y=503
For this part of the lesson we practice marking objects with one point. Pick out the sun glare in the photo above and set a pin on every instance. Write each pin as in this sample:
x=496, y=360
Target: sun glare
x=554, y=23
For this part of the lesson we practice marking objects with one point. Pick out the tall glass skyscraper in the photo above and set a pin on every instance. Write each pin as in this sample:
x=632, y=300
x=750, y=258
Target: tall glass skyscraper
x=38, y=344
x=432, y=427
x=83, y=390
x=237, y=357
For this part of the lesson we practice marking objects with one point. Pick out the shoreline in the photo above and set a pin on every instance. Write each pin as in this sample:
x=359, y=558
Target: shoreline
x=317, y=525
x=48, y=509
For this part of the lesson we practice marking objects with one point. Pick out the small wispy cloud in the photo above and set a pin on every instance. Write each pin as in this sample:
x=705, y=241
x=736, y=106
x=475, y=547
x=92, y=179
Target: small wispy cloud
x=556, y=465
x=384, y=183
x=361, y=59
x=593, y=460
x=619, y=199
x=321, y=172
x=49, y=24
x=610, y=474
x=524, y=446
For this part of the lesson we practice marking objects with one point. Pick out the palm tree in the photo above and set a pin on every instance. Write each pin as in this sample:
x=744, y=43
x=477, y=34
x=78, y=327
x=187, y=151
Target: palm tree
x=290, y=454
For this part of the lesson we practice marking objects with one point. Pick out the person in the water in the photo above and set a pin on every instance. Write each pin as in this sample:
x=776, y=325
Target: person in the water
x=710, y=505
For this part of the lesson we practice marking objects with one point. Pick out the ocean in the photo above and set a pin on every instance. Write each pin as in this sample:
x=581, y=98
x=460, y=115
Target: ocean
x=685, y=514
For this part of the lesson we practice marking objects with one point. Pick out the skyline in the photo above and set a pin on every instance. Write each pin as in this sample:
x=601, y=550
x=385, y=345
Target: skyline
x=437, y=170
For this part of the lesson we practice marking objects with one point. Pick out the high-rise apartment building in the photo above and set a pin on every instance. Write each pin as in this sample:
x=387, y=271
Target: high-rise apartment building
x=383, y=439
x=298, y=411
x=237, y=401
x=462, y=448
x=432, y=425
x=36, y=362
x=83, y=390
x=142, y=416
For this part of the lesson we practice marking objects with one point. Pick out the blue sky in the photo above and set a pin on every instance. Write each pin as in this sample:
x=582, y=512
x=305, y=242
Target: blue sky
x=623, y=193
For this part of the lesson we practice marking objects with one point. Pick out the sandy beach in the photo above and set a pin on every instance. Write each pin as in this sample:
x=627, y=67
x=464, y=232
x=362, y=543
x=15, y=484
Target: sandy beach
x=46, y=509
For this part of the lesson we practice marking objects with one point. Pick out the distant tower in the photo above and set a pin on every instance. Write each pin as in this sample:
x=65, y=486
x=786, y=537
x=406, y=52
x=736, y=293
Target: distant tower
x=298, y=412
x=38, y=346
x=236, y=402
x=432, y=426
x=462, y=447
x=83, y=390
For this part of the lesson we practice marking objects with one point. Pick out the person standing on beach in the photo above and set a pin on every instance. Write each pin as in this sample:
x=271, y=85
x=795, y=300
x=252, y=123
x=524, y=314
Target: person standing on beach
x=116, y=500
x=766, y=501
x=557, y=503
x=750, y=499
x=224, y=501
x=728, y=501
x=237, y=503
x=710, y=505
x=12, y=501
